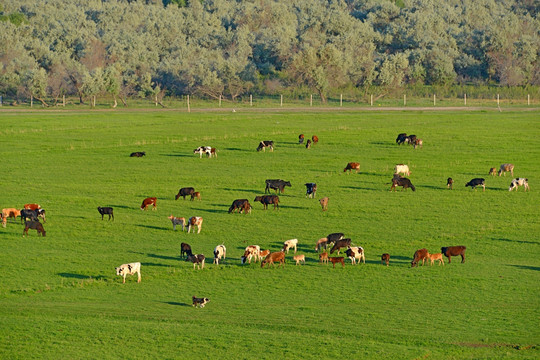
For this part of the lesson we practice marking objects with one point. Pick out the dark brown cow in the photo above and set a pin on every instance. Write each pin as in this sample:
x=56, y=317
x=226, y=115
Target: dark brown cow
x=343, y=243
x=149, y=201
x=240, y=204
x=401, y=181
x=450, y=183
x=336, y=260
x=308, y=144
x=267, y=200
x=34, y=225
x=278, y=256
x=385, y=259
x=185, y=250
x=450, y=251
x=185, y=192
x=420, y=254
x=197, y=260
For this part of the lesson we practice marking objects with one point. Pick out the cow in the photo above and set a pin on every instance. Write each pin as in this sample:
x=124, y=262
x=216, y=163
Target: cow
x=34, y=225
x=196, y=195
x=311, y=189
x=434, y=257
x=129, y=269
x=401, y=181
x=385, y=259
x=31, y=206
x=420, y=254
x=352, y=166
x=199, y=302
x=450, y=183
x=477, y=182
x=339, y=244
x=251, y=251
x=246, y=208
x=266, y=144
x=263, y=254
x=315, y=139
x=402, y=169
x=417, y=143
x=9, y=213
x=299, y=258
x=149, y=201
x=450, y=251
x=492, y=171
x=335, y=260
x=29, y=214
x=519, y=182
x=332, y=238
x=308, y=144
x=411, y=139
x=324, y=203
x=356, y=253
x=195, y=221
x=301, y=139
x=276, y=184
x=292, y=243
x=238, y=204
x=505, y=168
x=106, y=211
x=138, y=154
x=220, y=251
x=321, y=243
x=185, y=191
x=272, y=258
x=323, y=258
x=401, y=138
x=267, y=200
x=185, y=250
x=177, y=221
x=203, y=150
x=197, y=260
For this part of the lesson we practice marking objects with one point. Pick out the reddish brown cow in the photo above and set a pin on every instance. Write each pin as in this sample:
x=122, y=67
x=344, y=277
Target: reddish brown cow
x=315, y=139
x=149, y=201
x=336, y=260
x=196, y=195
x=323, y=258
x=32, y=206
x=352, y=166
x=278, y=256
x=454, y=251
x=385, y=259
x=420, y=254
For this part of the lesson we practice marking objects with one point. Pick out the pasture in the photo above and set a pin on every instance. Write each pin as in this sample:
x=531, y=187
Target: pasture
x=60, y=296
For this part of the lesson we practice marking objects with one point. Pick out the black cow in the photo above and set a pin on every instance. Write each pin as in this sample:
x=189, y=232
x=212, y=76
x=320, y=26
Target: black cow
x=477, y=182
x=240, y=204
x=276, y=185
x=266, y=144
x=29, y=214
x=411, y=139
x=401, y=138
x=184, y=192
x=401, y=181
x=332, y=238
x=106, y=211
x=343, y=243
x=138, y=154
x=311, y=189
x=267, y=200
x=33, y=225
x=185, y=250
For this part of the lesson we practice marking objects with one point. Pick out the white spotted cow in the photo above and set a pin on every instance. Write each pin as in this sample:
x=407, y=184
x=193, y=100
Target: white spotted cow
x=129, y=269
x=292, y=243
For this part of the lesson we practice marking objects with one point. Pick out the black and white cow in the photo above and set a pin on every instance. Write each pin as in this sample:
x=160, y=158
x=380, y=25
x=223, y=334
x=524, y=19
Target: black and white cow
x=129, y=269
x=219, y=252
x=513, y=185
x=477, y=182
x=311, y=189
x=266, y=144
x=401, y=138
x=106, y=211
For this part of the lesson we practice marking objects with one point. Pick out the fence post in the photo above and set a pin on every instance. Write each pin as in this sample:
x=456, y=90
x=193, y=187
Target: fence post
x=311, y=100
x=341, y=100
x=528, y=100
x=220, y=100
x=465, y=99
x=31, y=100
x=371, y=101
x=0, y=100
x=434, y=101
x=64, y=100
x=497, y=99
x=188, y=108
x=404, y=100
x=281, y=100
x=250, y=100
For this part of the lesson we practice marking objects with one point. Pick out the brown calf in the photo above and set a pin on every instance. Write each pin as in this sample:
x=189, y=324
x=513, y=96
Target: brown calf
x=323, y=258
x=434, y=257
x=385, y=259
x=34, y=225
x=492, y=171
x=352, y=166
x=315, y=139
x=420, y=254
x=274, y=257
x=149, y=201
x=324, y=203
x=335, y=260
x=454, y=251
x=196, y=195
x=299, y=258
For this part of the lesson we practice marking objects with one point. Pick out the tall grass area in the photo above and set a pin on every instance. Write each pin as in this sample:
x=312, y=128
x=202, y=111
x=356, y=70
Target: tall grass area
x=60, y=296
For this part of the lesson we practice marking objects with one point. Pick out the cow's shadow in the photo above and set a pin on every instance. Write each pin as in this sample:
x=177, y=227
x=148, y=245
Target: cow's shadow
x=174, y=303
x=527, y=267
x=237, y=149
x=244, y=190
x=214, y=211
x=153, y=227
x=80, y=276
x=516, y=241
x=122, y=207
x=177, y=155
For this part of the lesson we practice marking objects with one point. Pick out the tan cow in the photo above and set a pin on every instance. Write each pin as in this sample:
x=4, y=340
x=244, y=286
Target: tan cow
x=402, y=169
x=299, y=258
x=178, y=221
x=434, y=257
x=9, y=213
x=505, y=168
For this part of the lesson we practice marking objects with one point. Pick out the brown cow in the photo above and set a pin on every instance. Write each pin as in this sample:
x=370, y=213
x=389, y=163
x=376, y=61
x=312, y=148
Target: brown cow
x=385, y=258
x=492, y=171
x=420, y=254
x=32, y=206
x=321, y=243
x=323, y=258
x=315, y=139
x=352, y=166
x=454, y=251
x=149, y=201
x=263, y=254
x=450, y=183
x=9, y=213
x=196, y=195
x=195, y=221
x=505, y=168
x=335, y=260
x=434, y=257
x=342, y=243
x=34, y=225
x=278, y=256
x=324, y=203
x=299, y=258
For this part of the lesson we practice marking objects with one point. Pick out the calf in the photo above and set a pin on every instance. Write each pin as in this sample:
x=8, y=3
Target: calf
x=450, y=251
x=402, y=169
x=129, y=269
x=9, y=213
x=308, y=144
x=450, y=183
x=355, y=253
x=492, y=171
x=505, y=168
x=266, y=144
x=251, y=251
x=177, y=221
x=196, y=195
x=401, y=138
x=519, y=182
x=321, y=243
x=403, y=182
x=274, y=257
x=149, y=201
x=324, y=203
x=183, y=192
x=420, y=254
x=106, y=211
x=32, y=206
x=410, y=139
x=195, y=221
x=197, y=260
x=417, y=143
x=311, y=189
x=185, y=250
x=477, y=182
x=343, y=243
x=238, y=204
x=336, y=260
x=267, y=200
x=33, y=225
x=315, y=139
x=323, y=258
x=301, y=139
x=138, y=154
x=276, y=185
x=434, y=257
x=220, y=251
x=199, y=302
x=299, y=258
x=385, y=259
x=352, y=166
x=263, y=254
x=292, y=243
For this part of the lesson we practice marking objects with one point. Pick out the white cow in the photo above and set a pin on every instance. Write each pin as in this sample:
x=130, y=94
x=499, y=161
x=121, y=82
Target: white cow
x=290, y=244
x=129, y=269
x=203, y=150
x=519, y=182
x=219, y=252
x=402, y=169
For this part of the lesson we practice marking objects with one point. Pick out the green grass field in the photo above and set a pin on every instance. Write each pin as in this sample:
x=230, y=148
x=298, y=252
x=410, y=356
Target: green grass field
x=60, y=296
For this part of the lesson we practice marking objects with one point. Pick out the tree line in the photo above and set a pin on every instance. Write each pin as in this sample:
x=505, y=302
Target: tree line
x=227, y=48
